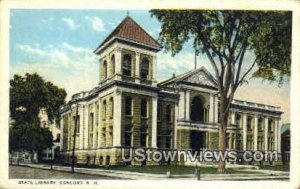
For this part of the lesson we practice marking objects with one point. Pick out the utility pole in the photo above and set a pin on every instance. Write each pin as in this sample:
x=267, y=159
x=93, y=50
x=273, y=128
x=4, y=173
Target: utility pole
x=74, y=139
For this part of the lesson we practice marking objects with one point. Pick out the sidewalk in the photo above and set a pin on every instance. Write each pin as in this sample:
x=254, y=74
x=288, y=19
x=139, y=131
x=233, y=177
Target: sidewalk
x=261, y=175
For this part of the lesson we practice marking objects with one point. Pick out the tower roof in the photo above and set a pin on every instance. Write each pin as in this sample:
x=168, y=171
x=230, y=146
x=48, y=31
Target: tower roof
x=128, y=30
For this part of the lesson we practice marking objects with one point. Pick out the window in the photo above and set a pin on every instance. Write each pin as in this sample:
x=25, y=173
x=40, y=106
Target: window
x=168, y=141
x=100, y=160
x=238, y=120
x=91, y=122
x=104, y=109
x=270, y=126
x=169, y=113
x=260, y=124
x=112, y=60
x=104, y=136
x=159, y=112
x=127, y=137
x=249, y=123
x=227, y=139
x=105, y=69
x=145, y=68
x=144, y=108
x=143, y=135
x=128, y=104
x=127, y=65
x=77, y=123
x=250, y=142
x=111, y=107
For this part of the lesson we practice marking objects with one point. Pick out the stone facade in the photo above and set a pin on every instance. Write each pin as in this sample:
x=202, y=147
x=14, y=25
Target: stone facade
x=129, y=109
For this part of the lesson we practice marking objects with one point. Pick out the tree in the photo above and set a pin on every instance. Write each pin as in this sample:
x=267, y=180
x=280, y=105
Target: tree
x=28, y=95
x=225, y=37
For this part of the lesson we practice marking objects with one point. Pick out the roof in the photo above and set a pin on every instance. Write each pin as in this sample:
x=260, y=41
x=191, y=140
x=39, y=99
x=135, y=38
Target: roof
x=200, y=76
x=129, y=30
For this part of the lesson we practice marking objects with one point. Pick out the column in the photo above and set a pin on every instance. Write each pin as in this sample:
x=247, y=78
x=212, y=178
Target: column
x=211, y=108
x=108, y=66
x=230, y=141
x=233, y=120
x=255, y=132
x=137, y=67
x=266, y=133
x=100, y=71
x=61, y=142
x=175, y=125
x=154, y=122
x=117, y=118
x=81, y=132
x=118, y=63
x=181, y=110
x=216, y=114
x=279, y=136
x=187, y=105
x=276, y=135
x=99, y=123
x=94, y=126
x=154, y=65
x=244, y=131
x=86, y=127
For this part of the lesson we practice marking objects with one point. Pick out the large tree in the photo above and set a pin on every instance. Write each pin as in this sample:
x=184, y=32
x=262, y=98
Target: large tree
x=225, y=36
x=28, y=95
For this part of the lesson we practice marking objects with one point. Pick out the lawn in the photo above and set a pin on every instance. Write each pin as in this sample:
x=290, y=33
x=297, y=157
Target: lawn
x=276, y=167
x=175, y=170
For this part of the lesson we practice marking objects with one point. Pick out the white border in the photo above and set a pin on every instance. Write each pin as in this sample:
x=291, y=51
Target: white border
x=6, y=5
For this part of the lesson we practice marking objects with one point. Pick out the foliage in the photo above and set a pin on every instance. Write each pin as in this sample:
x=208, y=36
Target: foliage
x=32, y=93
x=225, y=36
x=29, y=137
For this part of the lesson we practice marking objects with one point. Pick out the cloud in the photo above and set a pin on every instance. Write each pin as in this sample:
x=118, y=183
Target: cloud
x=70, y=23
x=71, y=67
x=96, y=23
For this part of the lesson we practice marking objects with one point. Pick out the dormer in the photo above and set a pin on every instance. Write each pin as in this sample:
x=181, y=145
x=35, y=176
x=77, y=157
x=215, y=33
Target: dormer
x=128, y=54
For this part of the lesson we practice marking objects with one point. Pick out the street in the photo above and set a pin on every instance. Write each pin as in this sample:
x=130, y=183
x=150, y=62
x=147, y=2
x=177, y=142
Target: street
x=18, y=172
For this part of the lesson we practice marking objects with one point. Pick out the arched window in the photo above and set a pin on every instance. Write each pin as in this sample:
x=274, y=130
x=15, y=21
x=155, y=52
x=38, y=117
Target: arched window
x=249, y=123
x=105, y=69
x=112, y=61
x=197, y=109
x=145, y=68
x=128, y=104
x=144, y=108
x=127, y=65
x=111, y=101
x=104, y=109
x=169, y=113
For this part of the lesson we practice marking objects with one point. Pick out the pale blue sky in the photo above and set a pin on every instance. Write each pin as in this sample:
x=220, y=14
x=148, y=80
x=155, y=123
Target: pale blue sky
x=59, y=44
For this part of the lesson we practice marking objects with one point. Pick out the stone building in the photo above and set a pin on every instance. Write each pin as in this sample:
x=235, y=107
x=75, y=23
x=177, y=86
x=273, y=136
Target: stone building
x=130, y=109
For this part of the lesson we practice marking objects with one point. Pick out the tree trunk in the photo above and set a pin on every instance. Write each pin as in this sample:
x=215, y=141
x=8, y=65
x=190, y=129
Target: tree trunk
x=222, y=133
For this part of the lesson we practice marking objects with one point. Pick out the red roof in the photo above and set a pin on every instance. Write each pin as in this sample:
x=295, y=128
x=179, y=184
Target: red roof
x=128, y=29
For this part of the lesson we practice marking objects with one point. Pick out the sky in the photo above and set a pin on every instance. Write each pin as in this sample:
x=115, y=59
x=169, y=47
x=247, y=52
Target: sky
x=58, y=44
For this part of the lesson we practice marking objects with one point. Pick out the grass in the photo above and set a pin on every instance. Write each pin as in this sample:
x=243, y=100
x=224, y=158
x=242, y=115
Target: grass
x=175, y=170
x=276, y=167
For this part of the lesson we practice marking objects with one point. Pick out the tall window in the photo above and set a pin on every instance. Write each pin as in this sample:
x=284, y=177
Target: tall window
x=270, y=125
x=127, y=65
x=128, y=104
x=145, y=68
x=105, y=69
x=127, y=136
x=249, y=123
x=77, y=123
x=104, y=109
x=144, y=108
x=112, y=61
x=169, y=113
x=159, y=112
x=143, y=135
x=260, y=124
x=91, y=122
x=238, y=120
x=111, y=101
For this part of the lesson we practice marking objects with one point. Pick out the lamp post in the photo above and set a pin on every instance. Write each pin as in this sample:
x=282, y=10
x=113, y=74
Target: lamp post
x=74, y=139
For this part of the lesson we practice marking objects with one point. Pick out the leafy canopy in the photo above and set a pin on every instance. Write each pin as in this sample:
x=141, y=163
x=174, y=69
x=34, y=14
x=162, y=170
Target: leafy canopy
x=226, y=35
x=29, y=94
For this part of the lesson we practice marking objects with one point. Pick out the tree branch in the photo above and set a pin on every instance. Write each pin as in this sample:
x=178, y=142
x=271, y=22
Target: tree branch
x=242, y=78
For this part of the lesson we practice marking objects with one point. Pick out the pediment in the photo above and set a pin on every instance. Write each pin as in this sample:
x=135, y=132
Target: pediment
x=200, y=77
